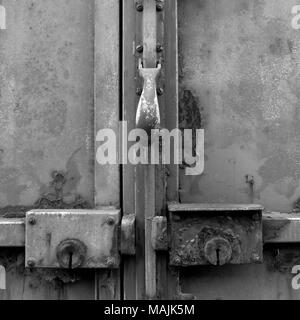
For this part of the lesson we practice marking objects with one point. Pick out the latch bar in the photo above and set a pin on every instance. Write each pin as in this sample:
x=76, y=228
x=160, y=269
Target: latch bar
x=277, y=228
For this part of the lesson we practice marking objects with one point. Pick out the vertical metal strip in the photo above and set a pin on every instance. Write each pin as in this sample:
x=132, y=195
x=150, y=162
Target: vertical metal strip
x=171, y=92
x=106, y=115
x=171, y=109
x=150, y=60
x=129, y=106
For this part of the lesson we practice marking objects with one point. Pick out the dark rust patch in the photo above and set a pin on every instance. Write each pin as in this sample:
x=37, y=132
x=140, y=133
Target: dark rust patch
x=13, y=259
x=55, y=196
x=281, y=258
x=189, y=115
x=273, y=229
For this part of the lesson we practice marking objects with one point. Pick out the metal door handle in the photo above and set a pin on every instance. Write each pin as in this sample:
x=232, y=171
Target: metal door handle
x=148, y=114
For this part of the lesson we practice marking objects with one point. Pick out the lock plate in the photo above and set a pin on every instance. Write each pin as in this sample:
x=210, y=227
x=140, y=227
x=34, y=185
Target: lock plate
x=72, y=238
x=215, y=234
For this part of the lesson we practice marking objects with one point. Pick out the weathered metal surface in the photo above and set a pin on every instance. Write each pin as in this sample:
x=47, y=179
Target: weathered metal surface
x=46, y=54
x=130, y=101
x=12, y=232
x=106, y=116
x=281, y=228
x=128, y=239
x=46, y=120
x=159, y=234
x=207, y=236
x=148, y=113
x=239, y=75
x=90, y=238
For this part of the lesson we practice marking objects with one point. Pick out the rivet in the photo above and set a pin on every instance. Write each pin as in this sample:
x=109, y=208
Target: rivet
x=139, y=6
x=177, y=260
x=159, y=48
x=110, y=221
x=160, y=91
x=110, y=262
x=32, y=221
x=31, y=262
x=159, y=6
x=139, y=48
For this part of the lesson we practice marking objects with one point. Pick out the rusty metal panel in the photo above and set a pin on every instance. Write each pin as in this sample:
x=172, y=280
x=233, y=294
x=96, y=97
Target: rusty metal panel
x=215, y=234
x=91, y=237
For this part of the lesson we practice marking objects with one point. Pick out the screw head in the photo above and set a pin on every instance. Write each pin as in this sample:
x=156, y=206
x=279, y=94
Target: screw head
x=110, y=221
x=160, y=91
x=139, y=48
x=177, y=260
x=32, y=221
x=139, y=6
x=159, y=6
x=110, y=262
x=159, y=48
x=31, y=262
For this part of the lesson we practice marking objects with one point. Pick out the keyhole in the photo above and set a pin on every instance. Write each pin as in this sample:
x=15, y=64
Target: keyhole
x=70, y=260
x=218, y=256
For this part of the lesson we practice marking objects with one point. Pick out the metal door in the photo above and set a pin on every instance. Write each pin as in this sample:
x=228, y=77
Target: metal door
x=59, y=85
x=72, y=68
x=230, y=68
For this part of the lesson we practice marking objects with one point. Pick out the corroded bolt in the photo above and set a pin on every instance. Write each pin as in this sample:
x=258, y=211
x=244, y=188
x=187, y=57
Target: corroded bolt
x=160, y=91
x=139, y=91
x=159, y=6
x=31, y=262
x=110, y=262
x=32, y=221
x=139, y=48
x=139, y=6
x=159, y=48
x=177, y=260
x=256, y=257
x=110, y=221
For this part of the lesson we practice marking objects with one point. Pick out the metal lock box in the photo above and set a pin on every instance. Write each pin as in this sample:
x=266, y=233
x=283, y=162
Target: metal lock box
x=215, y=234
x=72, y=238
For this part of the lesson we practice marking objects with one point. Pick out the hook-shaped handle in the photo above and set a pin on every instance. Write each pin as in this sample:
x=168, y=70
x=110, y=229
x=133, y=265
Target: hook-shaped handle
x=148, y=114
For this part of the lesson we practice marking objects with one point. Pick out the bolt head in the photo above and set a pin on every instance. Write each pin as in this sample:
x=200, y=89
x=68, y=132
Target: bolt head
x=110, y=221
x=159, y=48
x=177, y=260
x=31, y=262
x=139, y=7
x=110, y=262
x=160, y=91
x=159, y=6
x=32, y=221
x=139, y=48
